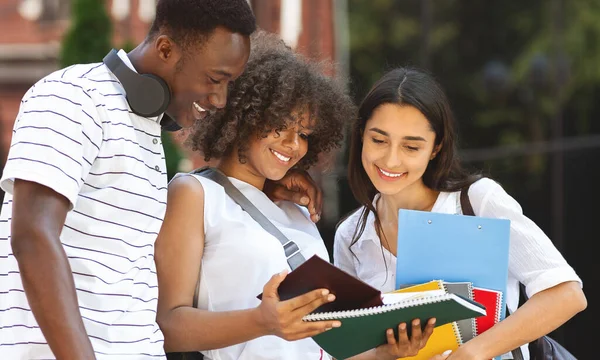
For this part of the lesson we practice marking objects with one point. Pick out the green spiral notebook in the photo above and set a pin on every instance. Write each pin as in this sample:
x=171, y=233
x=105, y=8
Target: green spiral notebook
x=364, y=329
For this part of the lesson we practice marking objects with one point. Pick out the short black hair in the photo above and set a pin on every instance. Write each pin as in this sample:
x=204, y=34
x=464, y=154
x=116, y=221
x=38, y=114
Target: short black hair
x=189, y=21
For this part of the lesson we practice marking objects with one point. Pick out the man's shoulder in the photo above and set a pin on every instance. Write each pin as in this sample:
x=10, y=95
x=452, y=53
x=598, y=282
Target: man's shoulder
x=83, y=72
x=78, y=78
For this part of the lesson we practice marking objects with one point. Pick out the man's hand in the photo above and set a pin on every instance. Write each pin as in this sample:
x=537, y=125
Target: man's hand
x=403, y=346
x=297, y=186
x=284, y=318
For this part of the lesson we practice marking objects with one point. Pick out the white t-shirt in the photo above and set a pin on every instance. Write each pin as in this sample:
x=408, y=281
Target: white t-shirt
x=76, y=135
x=533, y=259
x=240, y=257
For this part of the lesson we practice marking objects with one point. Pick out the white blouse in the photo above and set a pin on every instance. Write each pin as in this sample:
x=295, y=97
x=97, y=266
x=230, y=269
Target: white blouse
x=533, y=259
x=240, y=257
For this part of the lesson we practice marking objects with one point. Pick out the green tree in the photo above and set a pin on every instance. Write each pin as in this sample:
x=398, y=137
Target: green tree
x=173, y=154
x=89, y=37
x=128, y=45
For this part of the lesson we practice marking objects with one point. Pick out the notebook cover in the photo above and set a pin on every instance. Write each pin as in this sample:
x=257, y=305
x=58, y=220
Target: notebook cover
x=453, y=248
x=466, y=327
x=491, y=300
x=430, y=285
x=361, y=333
x=316, y=273
x=444, y=337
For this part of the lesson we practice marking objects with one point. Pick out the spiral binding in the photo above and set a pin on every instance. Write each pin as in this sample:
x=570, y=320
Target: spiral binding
x=496, y=315
x=499, y=307
x=457, y=333
x=473, y=322
x=455, y=327
x=336, y=315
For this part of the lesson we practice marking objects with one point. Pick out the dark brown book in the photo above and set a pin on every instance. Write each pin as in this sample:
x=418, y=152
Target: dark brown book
x=316, y=273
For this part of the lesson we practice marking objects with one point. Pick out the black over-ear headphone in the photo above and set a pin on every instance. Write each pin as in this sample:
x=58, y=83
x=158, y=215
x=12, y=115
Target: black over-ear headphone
x=148, y=95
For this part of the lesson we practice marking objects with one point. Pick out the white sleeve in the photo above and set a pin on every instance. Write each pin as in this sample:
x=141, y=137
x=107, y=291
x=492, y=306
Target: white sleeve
x=342, y=256
x=56, y=138
x=533, y=258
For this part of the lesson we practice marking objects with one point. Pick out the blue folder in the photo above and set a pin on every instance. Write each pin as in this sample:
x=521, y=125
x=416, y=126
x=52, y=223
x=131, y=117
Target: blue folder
x=452, y=248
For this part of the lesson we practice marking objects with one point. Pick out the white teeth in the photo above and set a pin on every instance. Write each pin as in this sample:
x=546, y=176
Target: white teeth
x=198, y=107
x=280, y=157
x=390, y=174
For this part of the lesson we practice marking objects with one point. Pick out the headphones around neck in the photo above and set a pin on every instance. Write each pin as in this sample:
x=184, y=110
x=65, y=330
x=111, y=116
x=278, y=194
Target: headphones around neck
x=148, y=95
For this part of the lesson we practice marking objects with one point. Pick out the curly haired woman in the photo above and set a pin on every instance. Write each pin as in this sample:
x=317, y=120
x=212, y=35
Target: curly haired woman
x=283, y=113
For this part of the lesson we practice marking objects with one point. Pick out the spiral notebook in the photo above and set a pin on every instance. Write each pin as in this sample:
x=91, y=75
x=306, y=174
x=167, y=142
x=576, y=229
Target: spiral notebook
x=364, y=311
x=492, y=301
x=467, y=327
x=364, y=329
x=444, y=337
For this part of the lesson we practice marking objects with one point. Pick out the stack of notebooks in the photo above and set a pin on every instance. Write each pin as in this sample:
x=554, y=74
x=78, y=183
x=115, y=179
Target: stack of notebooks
x=470, y=255
x=366, y=313
x=450, y=336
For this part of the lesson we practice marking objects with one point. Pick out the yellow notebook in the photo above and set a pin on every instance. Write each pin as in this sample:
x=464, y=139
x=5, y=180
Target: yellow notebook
x=445, y=337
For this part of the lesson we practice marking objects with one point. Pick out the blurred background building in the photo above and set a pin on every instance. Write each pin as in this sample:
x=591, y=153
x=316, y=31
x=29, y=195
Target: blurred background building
x=523, y=78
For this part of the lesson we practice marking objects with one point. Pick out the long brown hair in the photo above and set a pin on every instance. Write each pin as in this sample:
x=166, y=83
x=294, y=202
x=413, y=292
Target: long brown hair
x=407, y=86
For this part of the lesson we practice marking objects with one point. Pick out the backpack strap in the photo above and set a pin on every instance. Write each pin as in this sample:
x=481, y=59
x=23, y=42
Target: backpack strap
x=465, y=202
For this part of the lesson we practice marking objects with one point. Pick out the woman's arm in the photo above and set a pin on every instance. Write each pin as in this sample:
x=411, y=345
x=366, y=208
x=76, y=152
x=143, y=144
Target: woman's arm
x=540, y=315
x=299, y=187
x=535, y=262
x=178, y=256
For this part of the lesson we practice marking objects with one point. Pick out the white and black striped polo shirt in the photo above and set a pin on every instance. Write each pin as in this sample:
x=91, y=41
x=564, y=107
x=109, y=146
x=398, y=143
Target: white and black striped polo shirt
x=76, y=134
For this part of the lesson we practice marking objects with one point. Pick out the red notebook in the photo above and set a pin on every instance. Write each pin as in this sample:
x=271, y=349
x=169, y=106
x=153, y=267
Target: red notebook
x=492, y=301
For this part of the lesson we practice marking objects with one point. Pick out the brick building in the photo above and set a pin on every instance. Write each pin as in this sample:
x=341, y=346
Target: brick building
x=31, y=33
x=30, y=36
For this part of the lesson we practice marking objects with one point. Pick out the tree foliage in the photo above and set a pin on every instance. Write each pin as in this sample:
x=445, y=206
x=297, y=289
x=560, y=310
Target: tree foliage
x=89, y=36
x=509, y=67
x=512, y=70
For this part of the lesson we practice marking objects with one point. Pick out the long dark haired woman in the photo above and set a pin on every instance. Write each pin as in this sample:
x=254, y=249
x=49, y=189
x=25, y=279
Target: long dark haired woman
x=403, y=156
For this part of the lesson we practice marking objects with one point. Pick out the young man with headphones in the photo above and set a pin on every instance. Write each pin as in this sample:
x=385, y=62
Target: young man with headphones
x=86, y=185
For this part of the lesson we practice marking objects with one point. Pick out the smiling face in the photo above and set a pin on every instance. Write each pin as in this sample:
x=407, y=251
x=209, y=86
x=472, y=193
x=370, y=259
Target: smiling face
x=397, y=145
x=200, y=79
x=272, y=156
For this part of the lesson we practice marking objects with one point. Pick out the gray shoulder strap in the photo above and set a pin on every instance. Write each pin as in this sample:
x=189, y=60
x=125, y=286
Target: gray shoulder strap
x=292, y=251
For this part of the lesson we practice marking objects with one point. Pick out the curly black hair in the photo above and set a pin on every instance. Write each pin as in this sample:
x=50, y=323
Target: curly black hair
x=191, y=21
x=277, y=86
